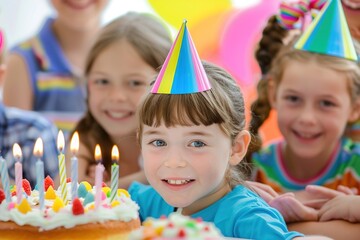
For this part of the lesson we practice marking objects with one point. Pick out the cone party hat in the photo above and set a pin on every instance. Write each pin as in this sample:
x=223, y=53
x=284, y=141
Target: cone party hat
x=182, y=72
x=329, y=34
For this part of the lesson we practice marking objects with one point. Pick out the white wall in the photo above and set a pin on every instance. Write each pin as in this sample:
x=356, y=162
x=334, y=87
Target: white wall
x=20, y=19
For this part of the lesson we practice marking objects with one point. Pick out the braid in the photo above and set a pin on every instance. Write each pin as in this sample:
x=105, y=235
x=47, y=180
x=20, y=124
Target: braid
x=260, y=110
x=270, y=44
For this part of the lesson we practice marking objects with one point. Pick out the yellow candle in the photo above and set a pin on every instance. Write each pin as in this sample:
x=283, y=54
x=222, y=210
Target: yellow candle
x=62, y=170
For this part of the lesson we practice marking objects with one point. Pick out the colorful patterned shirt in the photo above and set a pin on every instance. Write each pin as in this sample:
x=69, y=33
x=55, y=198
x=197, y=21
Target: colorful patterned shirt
x=343, y=168
x=59, y=94
x=24, y=127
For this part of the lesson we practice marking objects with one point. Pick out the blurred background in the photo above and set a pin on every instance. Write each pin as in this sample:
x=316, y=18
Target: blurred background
x=225, y=32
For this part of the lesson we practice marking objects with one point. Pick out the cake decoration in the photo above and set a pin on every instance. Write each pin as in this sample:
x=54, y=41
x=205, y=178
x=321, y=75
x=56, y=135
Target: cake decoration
x=65, y=215
x=90, y=215
x=176, y=226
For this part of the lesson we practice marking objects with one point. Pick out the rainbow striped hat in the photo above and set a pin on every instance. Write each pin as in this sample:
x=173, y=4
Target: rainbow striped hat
x=182, y=72
x=329, y=34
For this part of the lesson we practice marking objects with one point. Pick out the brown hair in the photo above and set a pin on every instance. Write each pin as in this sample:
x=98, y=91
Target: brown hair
x=261, y=109
x=269, y=46
x=151, y=40
x=223, y=104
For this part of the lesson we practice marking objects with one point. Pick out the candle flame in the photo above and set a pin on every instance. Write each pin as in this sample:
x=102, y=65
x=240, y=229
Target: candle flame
x=17, y=151
x=74, y=144
x=97, y=153
x=115, y=153
x=60, y=141
x=38, y=148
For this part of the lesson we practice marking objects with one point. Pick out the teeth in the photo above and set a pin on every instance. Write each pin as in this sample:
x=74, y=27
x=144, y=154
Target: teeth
x=117, y=114
x=177, y=182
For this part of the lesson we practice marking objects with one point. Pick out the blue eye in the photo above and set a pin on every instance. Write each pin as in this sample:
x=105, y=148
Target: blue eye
x=197, y=144
x=158, y=143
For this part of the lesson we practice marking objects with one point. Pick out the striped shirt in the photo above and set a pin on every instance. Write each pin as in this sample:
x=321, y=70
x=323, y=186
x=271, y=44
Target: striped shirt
x=343, y=168
x=59, y=94
x=24, y=127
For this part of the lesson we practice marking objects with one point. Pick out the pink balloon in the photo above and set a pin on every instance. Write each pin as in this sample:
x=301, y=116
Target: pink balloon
x=239, y=39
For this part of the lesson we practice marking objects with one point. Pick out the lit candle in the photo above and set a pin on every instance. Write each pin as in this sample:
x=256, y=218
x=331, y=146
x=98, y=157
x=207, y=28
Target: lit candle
x=99, y=169
x=5, y=179
x=114, y=171
x=62, y=170
x=74, y=148
x=38, y=152
x=18, y=171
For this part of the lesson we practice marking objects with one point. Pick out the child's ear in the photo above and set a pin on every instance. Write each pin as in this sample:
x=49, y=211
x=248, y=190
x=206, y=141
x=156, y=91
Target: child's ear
x=271, y=89
x=240, y=146
x=355, y=113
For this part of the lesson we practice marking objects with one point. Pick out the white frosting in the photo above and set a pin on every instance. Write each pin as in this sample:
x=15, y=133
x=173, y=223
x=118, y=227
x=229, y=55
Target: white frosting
x=170, y=228
x=47, y=219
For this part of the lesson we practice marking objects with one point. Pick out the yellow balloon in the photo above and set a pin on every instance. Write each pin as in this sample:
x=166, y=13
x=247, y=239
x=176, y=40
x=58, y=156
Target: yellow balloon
x=174, y=12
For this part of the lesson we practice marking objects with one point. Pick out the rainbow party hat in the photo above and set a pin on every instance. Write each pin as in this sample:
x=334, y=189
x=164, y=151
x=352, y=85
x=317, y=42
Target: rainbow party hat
x=182, y=72
x=329, y=34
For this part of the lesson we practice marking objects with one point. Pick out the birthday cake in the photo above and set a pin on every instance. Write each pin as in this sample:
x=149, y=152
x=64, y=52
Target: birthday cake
x=58, y=219
x=176, y=226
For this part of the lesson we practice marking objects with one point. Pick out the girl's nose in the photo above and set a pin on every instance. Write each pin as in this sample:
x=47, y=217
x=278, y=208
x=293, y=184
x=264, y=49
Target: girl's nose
x=117, y=94
x=175, y=160
x=307, y=115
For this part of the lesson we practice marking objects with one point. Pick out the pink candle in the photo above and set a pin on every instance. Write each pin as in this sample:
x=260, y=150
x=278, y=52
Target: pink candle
x=18, y=171
x=99, y=170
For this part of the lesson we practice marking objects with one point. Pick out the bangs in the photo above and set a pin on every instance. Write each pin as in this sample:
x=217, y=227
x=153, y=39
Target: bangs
x=182, y=109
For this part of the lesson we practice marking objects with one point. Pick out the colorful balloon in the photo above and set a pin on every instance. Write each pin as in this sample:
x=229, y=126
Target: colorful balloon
x=206, y=33
x=239, y=40
x=174, y=12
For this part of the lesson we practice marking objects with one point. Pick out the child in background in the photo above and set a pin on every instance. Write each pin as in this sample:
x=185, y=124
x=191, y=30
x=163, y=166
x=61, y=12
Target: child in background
x=119, y=69
x=315, y=95
x=49, y=66
x=192, y=136
x=24, y=127
x=351, y=9
x=280, y=29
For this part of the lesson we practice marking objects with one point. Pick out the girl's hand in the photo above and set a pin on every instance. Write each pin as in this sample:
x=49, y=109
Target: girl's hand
x=320, y=195
x=292, y=209
x=264, y=191
x=346, y=207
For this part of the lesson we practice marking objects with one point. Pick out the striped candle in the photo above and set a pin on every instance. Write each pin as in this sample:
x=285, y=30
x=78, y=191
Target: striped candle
x=39, y=166
x=18, y=171
x=5, y=179
x=74, y=148
x=62, y=170
x=114, y=172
